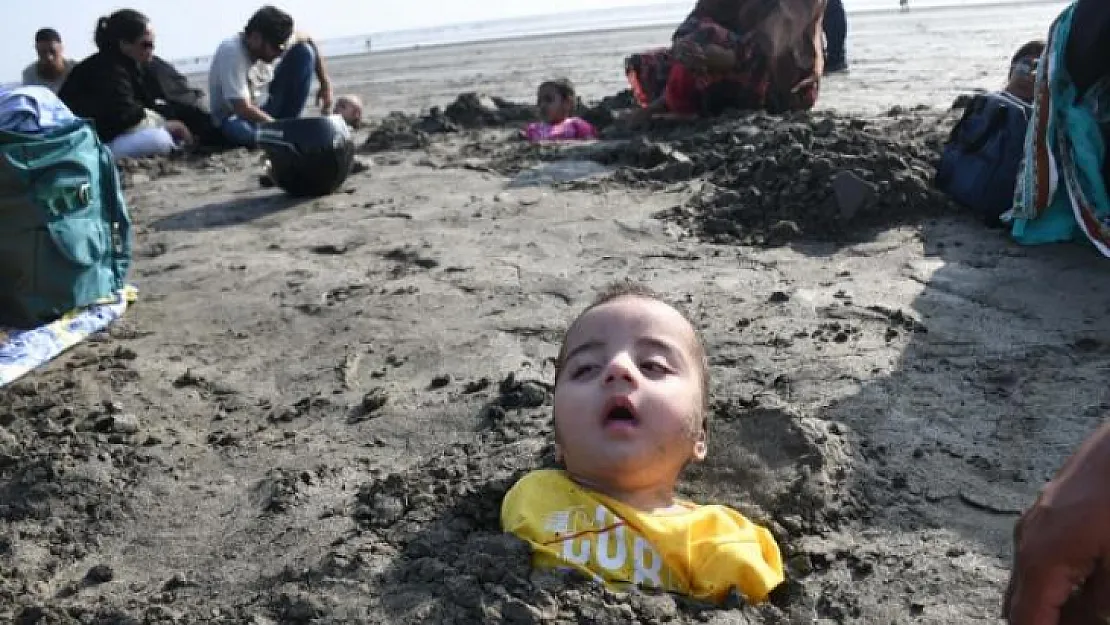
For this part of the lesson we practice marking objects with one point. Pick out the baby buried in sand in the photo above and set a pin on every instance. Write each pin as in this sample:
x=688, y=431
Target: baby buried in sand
x=631, y=388
x=349, y=107
x=556, y=101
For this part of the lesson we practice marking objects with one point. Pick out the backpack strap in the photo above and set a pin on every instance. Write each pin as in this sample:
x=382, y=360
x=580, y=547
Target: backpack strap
x=120, y=218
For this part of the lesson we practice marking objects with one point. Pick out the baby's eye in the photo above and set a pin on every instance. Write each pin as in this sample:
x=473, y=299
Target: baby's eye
x=581, y=370
x=652, y=366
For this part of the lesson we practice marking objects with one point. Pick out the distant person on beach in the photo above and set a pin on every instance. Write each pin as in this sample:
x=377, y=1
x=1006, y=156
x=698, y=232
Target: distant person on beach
x=53, y=67
x=741, y=54
x=631, y=390
x=110, y=88
x=556, y=101
x=836, y=37
x=244, y=64
x=1023, y=66
x=904, y=4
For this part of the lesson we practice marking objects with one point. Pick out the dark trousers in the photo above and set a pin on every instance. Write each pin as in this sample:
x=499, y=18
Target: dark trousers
x=289, y=91
x=836, y=31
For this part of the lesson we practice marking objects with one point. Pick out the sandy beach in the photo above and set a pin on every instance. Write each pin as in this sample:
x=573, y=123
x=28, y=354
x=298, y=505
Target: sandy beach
x=325, y=400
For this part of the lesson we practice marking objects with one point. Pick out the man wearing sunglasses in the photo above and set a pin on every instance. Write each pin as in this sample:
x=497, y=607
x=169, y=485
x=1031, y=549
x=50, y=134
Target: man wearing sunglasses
x=244, y=64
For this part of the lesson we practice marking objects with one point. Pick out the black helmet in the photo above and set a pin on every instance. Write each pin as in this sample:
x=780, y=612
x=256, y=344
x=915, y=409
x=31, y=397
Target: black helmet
x=310, y=156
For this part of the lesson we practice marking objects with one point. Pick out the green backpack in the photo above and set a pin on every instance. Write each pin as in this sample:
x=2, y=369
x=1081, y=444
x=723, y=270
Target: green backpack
x=65, y=233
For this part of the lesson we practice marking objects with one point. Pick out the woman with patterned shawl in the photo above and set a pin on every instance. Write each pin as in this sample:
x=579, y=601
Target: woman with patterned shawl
x=743, y=54
x=1061, y=190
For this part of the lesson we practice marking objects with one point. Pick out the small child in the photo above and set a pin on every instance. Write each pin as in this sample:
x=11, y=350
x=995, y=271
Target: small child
x=349, y=107
x=631, y=388
x=556, y=100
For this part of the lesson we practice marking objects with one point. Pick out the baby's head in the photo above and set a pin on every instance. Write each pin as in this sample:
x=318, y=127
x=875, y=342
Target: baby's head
x=349, y=107
x=556, y=100
x=631, y=393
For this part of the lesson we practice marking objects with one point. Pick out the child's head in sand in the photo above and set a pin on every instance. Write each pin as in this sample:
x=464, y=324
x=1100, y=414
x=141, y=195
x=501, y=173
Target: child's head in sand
x=631, y=389
x=349, y=107
x=556, y=100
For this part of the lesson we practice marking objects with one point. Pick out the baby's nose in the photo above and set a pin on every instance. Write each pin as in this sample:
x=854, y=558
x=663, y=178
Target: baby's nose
x=620, y=368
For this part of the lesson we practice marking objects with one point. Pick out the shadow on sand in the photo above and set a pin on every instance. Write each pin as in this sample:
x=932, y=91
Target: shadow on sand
x=226, y=214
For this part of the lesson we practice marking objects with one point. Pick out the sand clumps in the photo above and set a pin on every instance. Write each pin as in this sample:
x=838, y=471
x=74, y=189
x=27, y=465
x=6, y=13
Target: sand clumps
x=473, y=111
x=816, y=177
x=757, y=179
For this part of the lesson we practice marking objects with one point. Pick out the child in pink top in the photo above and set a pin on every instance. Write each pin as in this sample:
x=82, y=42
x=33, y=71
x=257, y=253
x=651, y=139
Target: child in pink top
x=556, y=100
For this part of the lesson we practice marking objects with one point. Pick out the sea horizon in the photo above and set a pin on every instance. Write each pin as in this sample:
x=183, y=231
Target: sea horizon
x=560, y=23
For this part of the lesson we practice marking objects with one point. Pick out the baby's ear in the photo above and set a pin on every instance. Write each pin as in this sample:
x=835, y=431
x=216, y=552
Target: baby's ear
x=701, y=450
x=701, y=444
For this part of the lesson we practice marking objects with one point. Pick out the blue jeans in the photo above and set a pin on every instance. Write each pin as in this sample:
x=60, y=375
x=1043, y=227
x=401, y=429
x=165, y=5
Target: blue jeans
x=289, y=92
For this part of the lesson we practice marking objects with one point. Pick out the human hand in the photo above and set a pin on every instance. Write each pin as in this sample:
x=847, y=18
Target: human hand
x=1061, y=572
x=324, y=98
x=180, y=132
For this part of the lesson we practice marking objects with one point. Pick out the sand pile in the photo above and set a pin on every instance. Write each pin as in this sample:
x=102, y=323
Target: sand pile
x=760, y=179
x=770, y=180
x=426, y=545
x=471, y=111
x=438, y=554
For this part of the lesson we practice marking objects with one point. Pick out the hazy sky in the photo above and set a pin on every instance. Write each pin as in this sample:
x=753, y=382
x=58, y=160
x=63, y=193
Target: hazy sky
x=186, y=28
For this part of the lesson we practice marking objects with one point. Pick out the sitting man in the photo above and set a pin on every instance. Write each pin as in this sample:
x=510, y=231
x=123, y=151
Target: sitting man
x=243, y=64
x=1023, y=68
x=53, y=67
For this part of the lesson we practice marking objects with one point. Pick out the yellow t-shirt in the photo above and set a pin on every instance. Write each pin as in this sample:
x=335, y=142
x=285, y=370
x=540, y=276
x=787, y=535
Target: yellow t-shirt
x=697, y=551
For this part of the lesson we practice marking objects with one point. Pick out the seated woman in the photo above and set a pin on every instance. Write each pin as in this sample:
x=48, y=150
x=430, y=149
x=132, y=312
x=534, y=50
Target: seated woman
x=1062, y=191
x=744, y=54
x=108, y=88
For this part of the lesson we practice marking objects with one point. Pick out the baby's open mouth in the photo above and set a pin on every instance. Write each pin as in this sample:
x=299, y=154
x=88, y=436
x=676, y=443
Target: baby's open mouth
x=621, y=415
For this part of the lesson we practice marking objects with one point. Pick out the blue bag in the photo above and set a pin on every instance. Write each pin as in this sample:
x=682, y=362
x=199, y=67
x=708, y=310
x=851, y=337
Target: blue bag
x=65, y=233
x=979, y=167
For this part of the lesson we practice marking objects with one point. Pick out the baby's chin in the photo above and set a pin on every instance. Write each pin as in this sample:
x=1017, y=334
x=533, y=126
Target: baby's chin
x=615, y=469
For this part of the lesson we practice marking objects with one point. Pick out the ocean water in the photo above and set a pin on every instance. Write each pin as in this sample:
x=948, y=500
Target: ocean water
x=598, y=19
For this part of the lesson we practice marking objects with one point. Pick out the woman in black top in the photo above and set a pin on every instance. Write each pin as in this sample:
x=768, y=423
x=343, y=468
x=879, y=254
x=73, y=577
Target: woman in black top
x=111, y=89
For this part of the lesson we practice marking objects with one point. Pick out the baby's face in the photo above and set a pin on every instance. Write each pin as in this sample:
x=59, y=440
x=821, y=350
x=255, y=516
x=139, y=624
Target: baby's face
x=628, y=398
x=350, y=112
x=554, y=108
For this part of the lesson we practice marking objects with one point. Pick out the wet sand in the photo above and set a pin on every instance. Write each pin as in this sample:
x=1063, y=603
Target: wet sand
x=312, y=412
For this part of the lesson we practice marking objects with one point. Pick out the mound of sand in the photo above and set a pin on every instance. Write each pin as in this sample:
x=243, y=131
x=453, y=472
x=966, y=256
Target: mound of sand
x=471, y=111
x=818, y=177
x=762, y=179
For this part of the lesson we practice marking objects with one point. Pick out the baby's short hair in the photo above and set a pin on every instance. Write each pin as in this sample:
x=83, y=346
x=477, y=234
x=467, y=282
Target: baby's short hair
x=617, y=290
x=563, y=86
